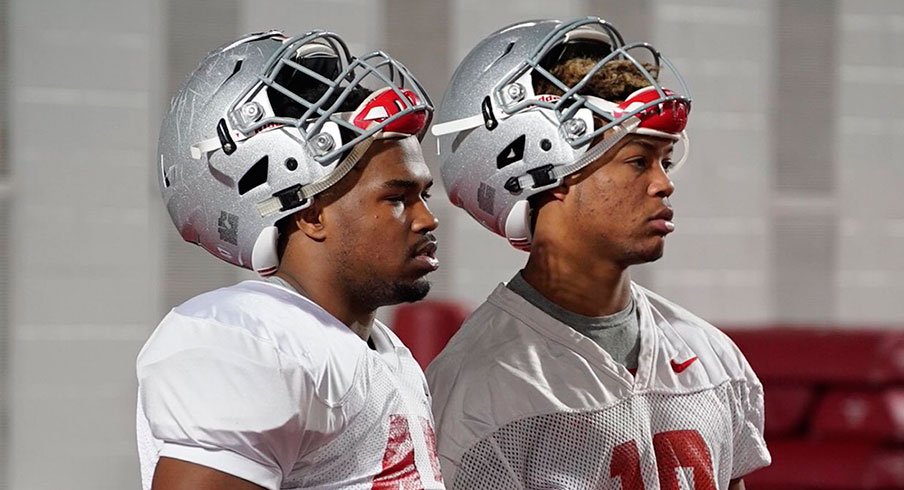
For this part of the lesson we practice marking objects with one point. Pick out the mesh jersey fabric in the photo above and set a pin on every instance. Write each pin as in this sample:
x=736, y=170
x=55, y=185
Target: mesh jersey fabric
x=261, y=383
x=522, y=401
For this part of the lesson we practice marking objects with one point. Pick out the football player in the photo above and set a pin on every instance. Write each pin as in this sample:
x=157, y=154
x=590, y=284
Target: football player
x=562, y=138
x=292, y=157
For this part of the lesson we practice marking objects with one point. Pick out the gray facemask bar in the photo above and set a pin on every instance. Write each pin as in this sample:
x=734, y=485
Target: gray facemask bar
x=356, y=70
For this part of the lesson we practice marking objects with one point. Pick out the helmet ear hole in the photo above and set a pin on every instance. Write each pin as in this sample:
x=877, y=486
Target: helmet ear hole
x=255, y=176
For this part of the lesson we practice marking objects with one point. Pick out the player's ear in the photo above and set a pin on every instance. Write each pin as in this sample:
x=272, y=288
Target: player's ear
x=310, y=221
x=559, y=192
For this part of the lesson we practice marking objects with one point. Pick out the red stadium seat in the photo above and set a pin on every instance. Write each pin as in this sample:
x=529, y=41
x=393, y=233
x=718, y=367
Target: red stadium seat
x=866, y=415
x=830, y=466
x=834, y=407
x=787, y=408
x=824, y=356
x=425, y=327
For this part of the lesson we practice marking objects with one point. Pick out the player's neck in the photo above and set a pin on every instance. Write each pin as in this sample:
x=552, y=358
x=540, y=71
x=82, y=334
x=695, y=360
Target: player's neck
x=338, y=304
x=586, y=287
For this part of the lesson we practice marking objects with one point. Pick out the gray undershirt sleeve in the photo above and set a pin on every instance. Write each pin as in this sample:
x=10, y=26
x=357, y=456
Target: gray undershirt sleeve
x=618, y=333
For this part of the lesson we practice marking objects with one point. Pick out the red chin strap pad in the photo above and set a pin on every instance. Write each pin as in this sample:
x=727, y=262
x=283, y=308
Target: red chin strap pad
x=667, y=117
x=385, y=103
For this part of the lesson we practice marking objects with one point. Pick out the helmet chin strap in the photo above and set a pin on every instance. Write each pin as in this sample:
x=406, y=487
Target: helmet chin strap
x=555, y=173
x=517, y=224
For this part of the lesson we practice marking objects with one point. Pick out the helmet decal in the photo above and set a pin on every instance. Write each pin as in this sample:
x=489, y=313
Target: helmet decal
x=389, y=108
x=511, y=153
x=664, y=118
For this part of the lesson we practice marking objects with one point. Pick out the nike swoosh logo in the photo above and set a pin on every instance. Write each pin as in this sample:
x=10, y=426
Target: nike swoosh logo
x=679, y=367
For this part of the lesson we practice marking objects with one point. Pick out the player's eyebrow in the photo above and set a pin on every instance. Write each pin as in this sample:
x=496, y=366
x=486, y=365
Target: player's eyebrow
x=650, y=145
x=405, y=184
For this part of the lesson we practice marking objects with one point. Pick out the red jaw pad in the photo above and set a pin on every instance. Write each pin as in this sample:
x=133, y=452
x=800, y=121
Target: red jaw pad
x=667, y=117
x=385, y=103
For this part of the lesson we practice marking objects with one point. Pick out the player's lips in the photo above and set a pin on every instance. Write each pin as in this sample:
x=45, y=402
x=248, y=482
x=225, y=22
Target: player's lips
x=662, y=221
x=425, y=256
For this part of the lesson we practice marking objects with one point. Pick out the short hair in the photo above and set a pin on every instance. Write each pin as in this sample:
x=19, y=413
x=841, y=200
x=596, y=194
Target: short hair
x=614, y=82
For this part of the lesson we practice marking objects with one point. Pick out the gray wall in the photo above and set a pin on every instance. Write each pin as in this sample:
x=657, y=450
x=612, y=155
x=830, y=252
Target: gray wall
x=869, y=130
x=85, y=274
x=5, y=201
x=787, y=211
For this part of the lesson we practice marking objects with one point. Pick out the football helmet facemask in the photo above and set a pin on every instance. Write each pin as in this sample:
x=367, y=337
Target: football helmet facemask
x=500, y=142
x=263, y=125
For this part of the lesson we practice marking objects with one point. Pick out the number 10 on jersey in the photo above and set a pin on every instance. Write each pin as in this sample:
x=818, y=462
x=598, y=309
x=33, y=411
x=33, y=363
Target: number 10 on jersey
x=674, y=450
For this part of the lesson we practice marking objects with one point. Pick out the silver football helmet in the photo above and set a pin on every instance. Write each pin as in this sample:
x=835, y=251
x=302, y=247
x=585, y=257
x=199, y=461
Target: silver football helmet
x=500, y=142
x=256, y=131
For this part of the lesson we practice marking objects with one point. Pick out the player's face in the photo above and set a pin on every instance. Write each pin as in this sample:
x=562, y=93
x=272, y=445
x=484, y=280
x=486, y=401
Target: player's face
x=386, y=246
x=620, y=203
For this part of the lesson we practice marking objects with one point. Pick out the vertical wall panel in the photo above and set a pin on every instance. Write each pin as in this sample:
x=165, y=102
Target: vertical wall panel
x=5, y=201
x=5, y=392
x=81, y=77
x=803, y=121
x=192, y=29
x=869, y=174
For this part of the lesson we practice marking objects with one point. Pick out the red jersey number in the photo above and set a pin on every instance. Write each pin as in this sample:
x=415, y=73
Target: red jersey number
x=674, y=450
x=399, y=468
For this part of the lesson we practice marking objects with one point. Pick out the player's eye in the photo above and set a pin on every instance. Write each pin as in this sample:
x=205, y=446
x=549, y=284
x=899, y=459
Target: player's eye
x=639, y=163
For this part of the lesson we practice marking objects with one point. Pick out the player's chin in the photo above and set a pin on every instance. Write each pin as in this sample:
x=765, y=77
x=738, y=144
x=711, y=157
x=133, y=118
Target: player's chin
x=411, y=290
x=655, y=252
x=651, y=251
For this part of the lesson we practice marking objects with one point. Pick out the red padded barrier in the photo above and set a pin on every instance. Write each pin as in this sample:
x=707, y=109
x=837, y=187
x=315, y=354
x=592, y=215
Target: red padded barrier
x=787, y=408
x=830, y=466
x=824, y=356
x=868, y=415
x=426, y=326
x=783, y=486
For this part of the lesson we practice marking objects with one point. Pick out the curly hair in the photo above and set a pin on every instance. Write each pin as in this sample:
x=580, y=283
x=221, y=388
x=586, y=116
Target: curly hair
x=615, y=81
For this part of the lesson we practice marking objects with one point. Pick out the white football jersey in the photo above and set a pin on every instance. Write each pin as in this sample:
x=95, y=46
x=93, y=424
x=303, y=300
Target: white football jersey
x=523, y=401
x=261, y=383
